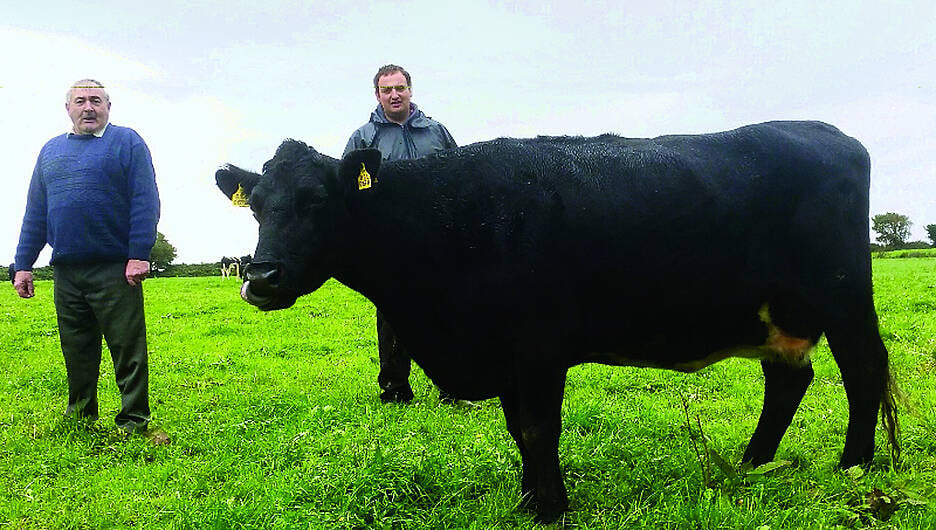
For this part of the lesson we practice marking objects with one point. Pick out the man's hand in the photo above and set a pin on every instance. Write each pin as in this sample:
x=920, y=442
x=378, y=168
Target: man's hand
x=23, y=283
x=137, y=270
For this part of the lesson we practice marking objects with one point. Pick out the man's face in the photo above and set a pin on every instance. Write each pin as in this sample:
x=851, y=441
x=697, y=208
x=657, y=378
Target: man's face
x=393, y=93
x=88, y=109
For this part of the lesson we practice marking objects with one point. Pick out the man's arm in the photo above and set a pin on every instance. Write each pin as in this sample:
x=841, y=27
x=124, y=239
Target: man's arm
x=364, y=137
x=144, y=203
x=353, y=143
x=33, y=231
x=449, y=141
x=32, y=235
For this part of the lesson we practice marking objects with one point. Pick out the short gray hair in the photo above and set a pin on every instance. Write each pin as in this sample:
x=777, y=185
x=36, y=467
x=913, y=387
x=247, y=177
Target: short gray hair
x=86, y=83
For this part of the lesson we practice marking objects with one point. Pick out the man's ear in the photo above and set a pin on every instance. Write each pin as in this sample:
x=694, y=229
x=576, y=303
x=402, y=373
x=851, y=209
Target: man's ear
x=231, y=178
x=359, y=171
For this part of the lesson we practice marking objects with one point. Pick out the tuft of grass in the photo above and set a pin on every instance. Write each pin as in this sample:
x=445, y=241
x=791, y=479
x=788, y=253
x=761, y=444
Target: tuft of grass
x=275, y=423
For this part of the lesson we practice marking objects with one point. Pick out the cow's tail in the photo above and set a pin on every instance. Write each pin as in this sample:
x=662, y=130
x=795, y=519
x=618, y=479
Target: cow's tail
x=889, y=400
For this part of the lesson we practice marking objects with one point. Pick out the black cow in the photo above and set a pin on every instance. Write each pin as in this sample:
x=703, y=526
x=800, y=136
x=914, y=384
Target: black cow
x=502, y=264
x=12, y=271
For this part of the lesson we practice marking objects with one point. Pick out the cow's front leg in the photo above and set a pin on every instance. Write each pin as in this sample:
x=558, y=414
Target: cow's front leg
x=533, y=409
x=784, y=388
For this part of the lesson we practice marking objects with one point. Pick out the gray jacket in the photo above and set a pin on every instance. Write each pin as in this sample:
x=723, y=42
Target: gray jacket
x=419, y=136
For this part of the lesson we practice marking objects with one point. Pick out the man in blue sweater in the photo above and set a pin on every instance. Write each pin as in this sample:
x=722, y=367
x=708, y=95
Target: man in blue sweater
x=93, y=199
x=400, y=131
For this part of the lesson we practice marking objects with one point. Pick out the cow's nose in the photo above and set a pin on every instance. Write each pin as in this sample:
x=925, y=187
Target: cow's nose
x=263, y=276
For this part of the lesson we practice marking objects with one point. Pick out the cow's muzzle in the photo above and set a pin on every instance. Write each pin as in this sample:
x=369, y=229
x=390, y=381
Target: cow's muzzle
x=261, y=284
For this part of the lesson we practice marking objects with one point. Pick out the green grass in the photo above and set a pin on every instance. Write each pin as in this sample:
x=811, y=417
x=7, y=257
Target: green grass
x=275, y=423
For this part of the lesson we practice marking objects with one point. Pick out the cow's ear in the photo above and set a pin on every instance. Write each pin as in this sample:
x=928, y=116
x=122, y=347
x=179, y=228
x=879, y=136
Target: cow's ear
x=359, y=170
x=233, y=180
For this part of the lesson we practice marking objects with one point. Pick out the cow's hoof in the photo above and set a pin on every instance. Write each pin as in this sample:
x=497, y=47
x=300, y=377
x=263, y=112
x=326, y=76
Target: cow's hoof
x=548, y=516
x=863, y=462
x=397, y=395
x=545, y=512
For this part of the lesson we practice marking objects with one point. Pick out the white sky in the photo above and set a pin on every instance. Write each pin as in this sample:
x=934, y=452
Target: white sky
x=210, y=82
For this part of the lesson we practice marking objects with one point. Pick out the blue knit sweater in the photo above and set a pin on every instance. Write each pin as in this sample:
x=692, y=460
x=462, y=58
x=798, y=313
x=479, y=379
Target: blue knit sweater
x=93, y=200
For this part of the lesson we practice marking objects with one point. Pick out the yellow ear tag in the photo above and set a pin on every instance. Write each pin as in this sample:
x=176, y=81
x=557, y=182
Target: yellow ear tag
x=363, y=180
x=239, y=198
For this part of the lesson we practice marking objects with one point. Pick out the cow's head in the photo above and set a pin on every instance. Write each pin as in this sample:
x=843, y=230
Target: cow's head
x=299, y=202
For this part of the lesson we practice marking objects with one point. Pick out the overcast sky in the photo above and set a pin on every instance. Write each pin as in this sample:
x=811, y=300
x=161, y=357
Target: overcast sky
x=210, y=82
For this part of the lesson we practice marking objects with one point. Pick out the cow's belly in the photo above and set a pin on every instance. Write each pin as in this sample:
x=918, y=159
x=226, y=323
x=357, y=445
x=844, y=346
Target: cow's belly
x=777, y=346
x=796, y=353
x=472, y=382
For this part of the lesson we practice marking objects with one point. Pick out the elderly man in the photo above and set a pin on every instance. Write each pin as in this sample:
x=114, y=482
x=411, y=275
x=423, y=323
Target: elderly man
x=401, y=132
x=93, y=199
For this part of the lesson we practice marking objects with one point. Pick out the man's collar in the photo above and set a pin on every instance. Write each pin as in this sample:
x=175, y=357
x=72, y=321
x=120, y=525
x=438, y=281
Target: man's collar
x=97, y=134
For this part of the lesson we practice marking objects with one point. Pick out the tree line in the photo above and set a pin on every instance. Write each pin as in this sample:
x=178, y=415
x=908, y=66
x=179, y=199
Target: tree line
x=893, y=230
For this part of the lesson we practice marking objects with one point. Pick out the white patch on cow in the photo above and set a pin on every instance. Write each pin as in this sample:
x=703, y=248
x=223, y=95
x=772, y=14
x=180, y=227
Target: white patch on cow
x=787, y=348
x=232, y=269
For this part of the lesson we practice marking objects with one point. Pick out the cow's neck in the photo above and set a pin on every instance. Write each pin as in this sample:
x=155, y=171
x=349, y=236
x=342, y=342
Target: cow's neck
x=394, y=231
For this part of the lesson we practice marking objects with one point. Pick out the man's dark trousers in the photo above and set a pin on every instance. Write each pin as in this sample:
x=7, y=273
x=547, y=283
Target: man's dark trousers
x=92, y=301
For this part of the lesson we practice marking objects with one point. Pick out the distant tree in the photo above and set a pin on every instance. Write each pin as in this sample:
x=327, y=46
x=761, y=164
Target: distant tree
x=163, y=253
x=931, y=232
x=893, y=229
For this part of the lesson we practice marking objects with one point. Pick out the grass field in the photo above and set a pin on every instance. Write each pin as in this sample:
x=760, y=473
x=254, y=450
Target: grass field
x=275, y=423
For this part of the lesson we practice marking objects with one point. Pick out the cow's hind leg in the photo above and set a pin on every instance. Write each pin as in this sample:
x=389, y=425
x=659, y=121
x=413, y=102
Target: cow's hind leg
x=784, y=388
x=829, y=264
x=532, y=409
x=862, y=359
